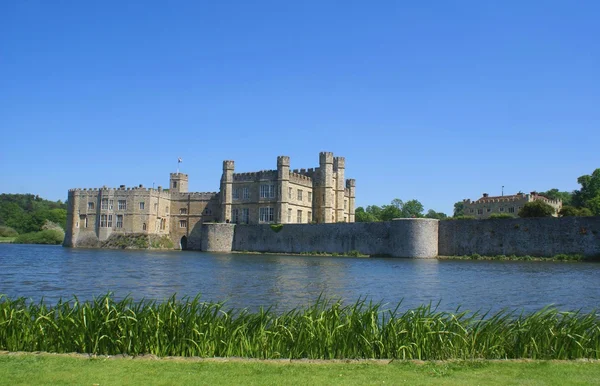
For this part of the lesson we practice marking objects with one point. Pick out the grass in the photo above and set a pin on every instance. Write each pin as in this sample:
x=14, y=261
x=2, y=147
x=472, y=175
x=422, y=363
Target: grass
x=559, y=257
x=27, y=369
x=7, y=239
x=324, y=330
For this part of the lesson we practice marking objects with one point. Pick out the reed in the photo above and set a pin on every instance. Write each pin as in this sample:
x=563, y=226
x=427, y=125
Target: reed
x=324, y=330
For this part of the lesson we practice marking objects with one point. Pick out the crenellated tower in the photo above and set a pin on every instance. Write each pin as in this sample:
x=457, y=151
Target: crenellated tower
x=227, y=190
x=350, y=188
x=339, y=164
x=283, y=181
x=178, y=183
x=325, y=190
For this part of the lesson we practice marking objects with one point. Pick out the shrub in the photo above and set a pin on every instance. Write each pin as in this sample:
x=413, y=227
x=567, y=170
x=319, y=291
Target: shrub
x=48, y=236
x=501, y=215
x=461, y=217
x=537, y=208
x=8, y=232
x=571, y=211
x=276, y=227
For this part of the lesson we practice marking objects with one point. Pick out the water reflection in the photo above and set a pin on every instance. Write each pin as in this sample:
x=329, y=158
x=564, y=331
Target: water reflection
x=288, y=281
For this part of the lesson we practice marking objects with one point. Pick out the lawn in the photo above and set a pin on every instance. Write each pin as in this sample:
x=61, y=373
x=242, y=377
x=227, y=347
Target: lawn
x=55, y=369
x=7, y=239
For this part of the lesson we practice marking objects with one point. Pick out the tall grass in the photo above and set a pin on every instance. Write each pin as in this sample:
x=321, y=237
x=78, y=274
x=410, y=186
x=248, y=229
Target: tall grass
x=324, y=330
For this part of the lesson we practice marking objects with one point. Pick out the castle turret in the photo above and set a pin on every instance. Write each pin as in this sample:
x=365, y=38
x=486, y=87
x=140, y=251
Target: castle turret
x=283, y=181
x=351, y=187
x=72, y=228
x=339, y=164
x=325, y=193
x=227, y=190
x=178, y=183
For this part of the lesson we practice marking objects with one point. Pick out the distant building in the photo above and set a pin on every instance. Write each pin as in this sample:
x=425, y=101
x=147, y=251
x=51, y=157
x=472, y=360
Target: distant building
x=282, y=196
x=486, y=205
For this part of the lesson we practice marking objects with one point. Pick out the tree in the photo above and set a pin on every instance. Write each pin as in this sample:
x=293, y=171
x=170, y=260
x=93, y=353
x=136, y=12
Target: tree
x=571, y=211
x=459, y=209
x=590, y=190
x=555, y=194
x=537, y=208
x=412, y=209
x=437, y=215
x=363, y=216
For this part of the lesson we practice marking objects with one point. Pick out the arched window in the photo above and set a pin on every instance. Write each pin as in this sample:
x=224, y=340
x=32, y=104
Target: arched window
x=144, y=226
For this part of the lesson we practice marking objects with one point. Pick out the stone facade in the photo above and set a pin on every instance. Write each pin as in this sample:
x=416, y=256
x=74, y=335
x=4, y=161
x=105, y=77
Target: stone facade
x=319, y=195
x=486, y=205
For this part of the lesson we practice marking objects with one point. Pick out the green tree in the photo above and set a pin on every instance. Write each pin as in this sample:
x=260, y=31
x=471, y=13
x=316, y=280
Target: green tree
x=363, y=216
x=571, y=211
x=437, y=215
x=590, y=190
x=555, y=194
x=412, y=209
x=537, y=208
x=459, y=209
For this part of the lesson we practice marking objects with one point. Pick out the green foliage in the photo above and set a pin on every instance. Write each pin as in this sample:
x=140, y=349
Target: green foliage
x=7, y=231
x=324, y=330
x=436, y=215
x=501, y=215
x=537, y=208
x=28, y=213
x=571, y=211
x=459, y=209
x=555, y=194
x=164, y=242
x=276, y=227
x=589, y=194
x=462, y=217
x=46, y=236
x=396, y=209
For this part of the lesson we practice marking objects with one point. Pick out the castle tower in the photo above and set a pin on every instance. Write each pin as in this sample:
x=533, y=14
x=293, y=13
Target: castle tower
x=351, y=186
x=283, y=180
x=325, y=194
x=339, y=164
x=227, y=190
x=178, y=183
x=72, y=228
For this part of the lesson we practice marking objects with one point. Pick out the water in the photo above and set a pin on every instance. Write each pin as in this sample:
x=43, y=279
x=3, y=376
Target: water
x=52, y=272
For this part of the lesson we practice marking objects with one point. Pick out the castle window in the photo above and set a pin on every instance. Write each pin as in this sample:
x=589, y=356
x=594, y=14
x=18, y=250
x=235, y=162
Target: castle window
x=309, y=217
x=345, y=219
x=235, y=216
x=299, y=194
x=246, y=193
x=267, y=191
x=471, y=210
x=83, y=219
x=299, y=215
x=207, y=211
x=111, y=204
x=489, y=210
x=119, y=221
x=90, y=206
x=479, y=211
x=109, y=221
x=511, y=209
x=182, y=223
x=289, y=216
x=245, y=215
x=104, y=203
x=174, y=184
x=163, y=223
x=183, y=211
x=144, y=226
x=345, y=204
x=122, y=204
x=155, y=207
x=142, y=205
x=501, y=209
x=236, y=194
x=266, y=214
x=290, y=193
x=309, y=196
x=102, y=221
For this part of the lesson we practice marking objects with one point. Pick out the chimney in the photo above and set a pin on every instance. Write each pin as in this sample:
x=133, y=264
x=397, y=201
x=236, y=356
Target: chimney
x=485, y=195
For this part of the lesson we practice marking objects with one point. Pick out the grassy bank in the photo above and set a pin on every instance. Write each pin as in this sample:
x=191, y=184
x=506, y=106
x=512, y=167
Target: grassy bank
x=52, y=369
x=325, y=330
x=560, y=257
x=7, y=239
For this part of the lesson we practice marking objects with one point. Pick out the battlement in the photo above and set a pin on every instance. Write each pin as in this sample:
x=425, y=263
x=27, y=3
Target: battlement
x=198, y=196
x=256, y=176
x=339, y=163
x=178, y=175
x=121, y=190
x=228, y=165
x=283, y=160
x=351, y=183
x=299, y=178
x=325, y=157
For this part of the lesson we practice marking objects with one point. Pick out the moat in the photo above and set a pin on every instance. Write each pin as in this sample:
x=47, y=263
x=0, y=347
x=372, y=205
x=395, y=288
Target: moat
x=251, y=281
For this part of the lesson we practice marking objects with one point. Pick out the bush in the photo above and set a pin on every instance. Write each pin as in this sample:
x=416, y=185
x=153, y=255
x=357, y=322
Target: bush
x=537, y=208
x=48, y=236
x=501, y=215
x=276, y=227
x=461, y=217
x=8, y=232
x=571, y=211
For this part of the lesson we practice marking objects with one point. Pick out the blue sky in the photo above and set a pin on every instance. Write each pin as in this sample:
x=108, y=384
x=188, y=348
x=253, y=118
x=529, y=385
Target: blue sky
x=433, y=100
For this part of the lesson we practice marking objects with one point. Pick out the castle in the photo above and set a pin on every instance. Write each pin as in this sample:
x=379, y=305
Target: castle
x=485, y=206
x=279, y=196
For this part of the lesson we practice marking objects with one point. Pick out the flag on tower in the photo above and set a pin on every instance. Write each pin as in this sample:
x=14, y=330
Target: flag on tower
x=179, y=160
